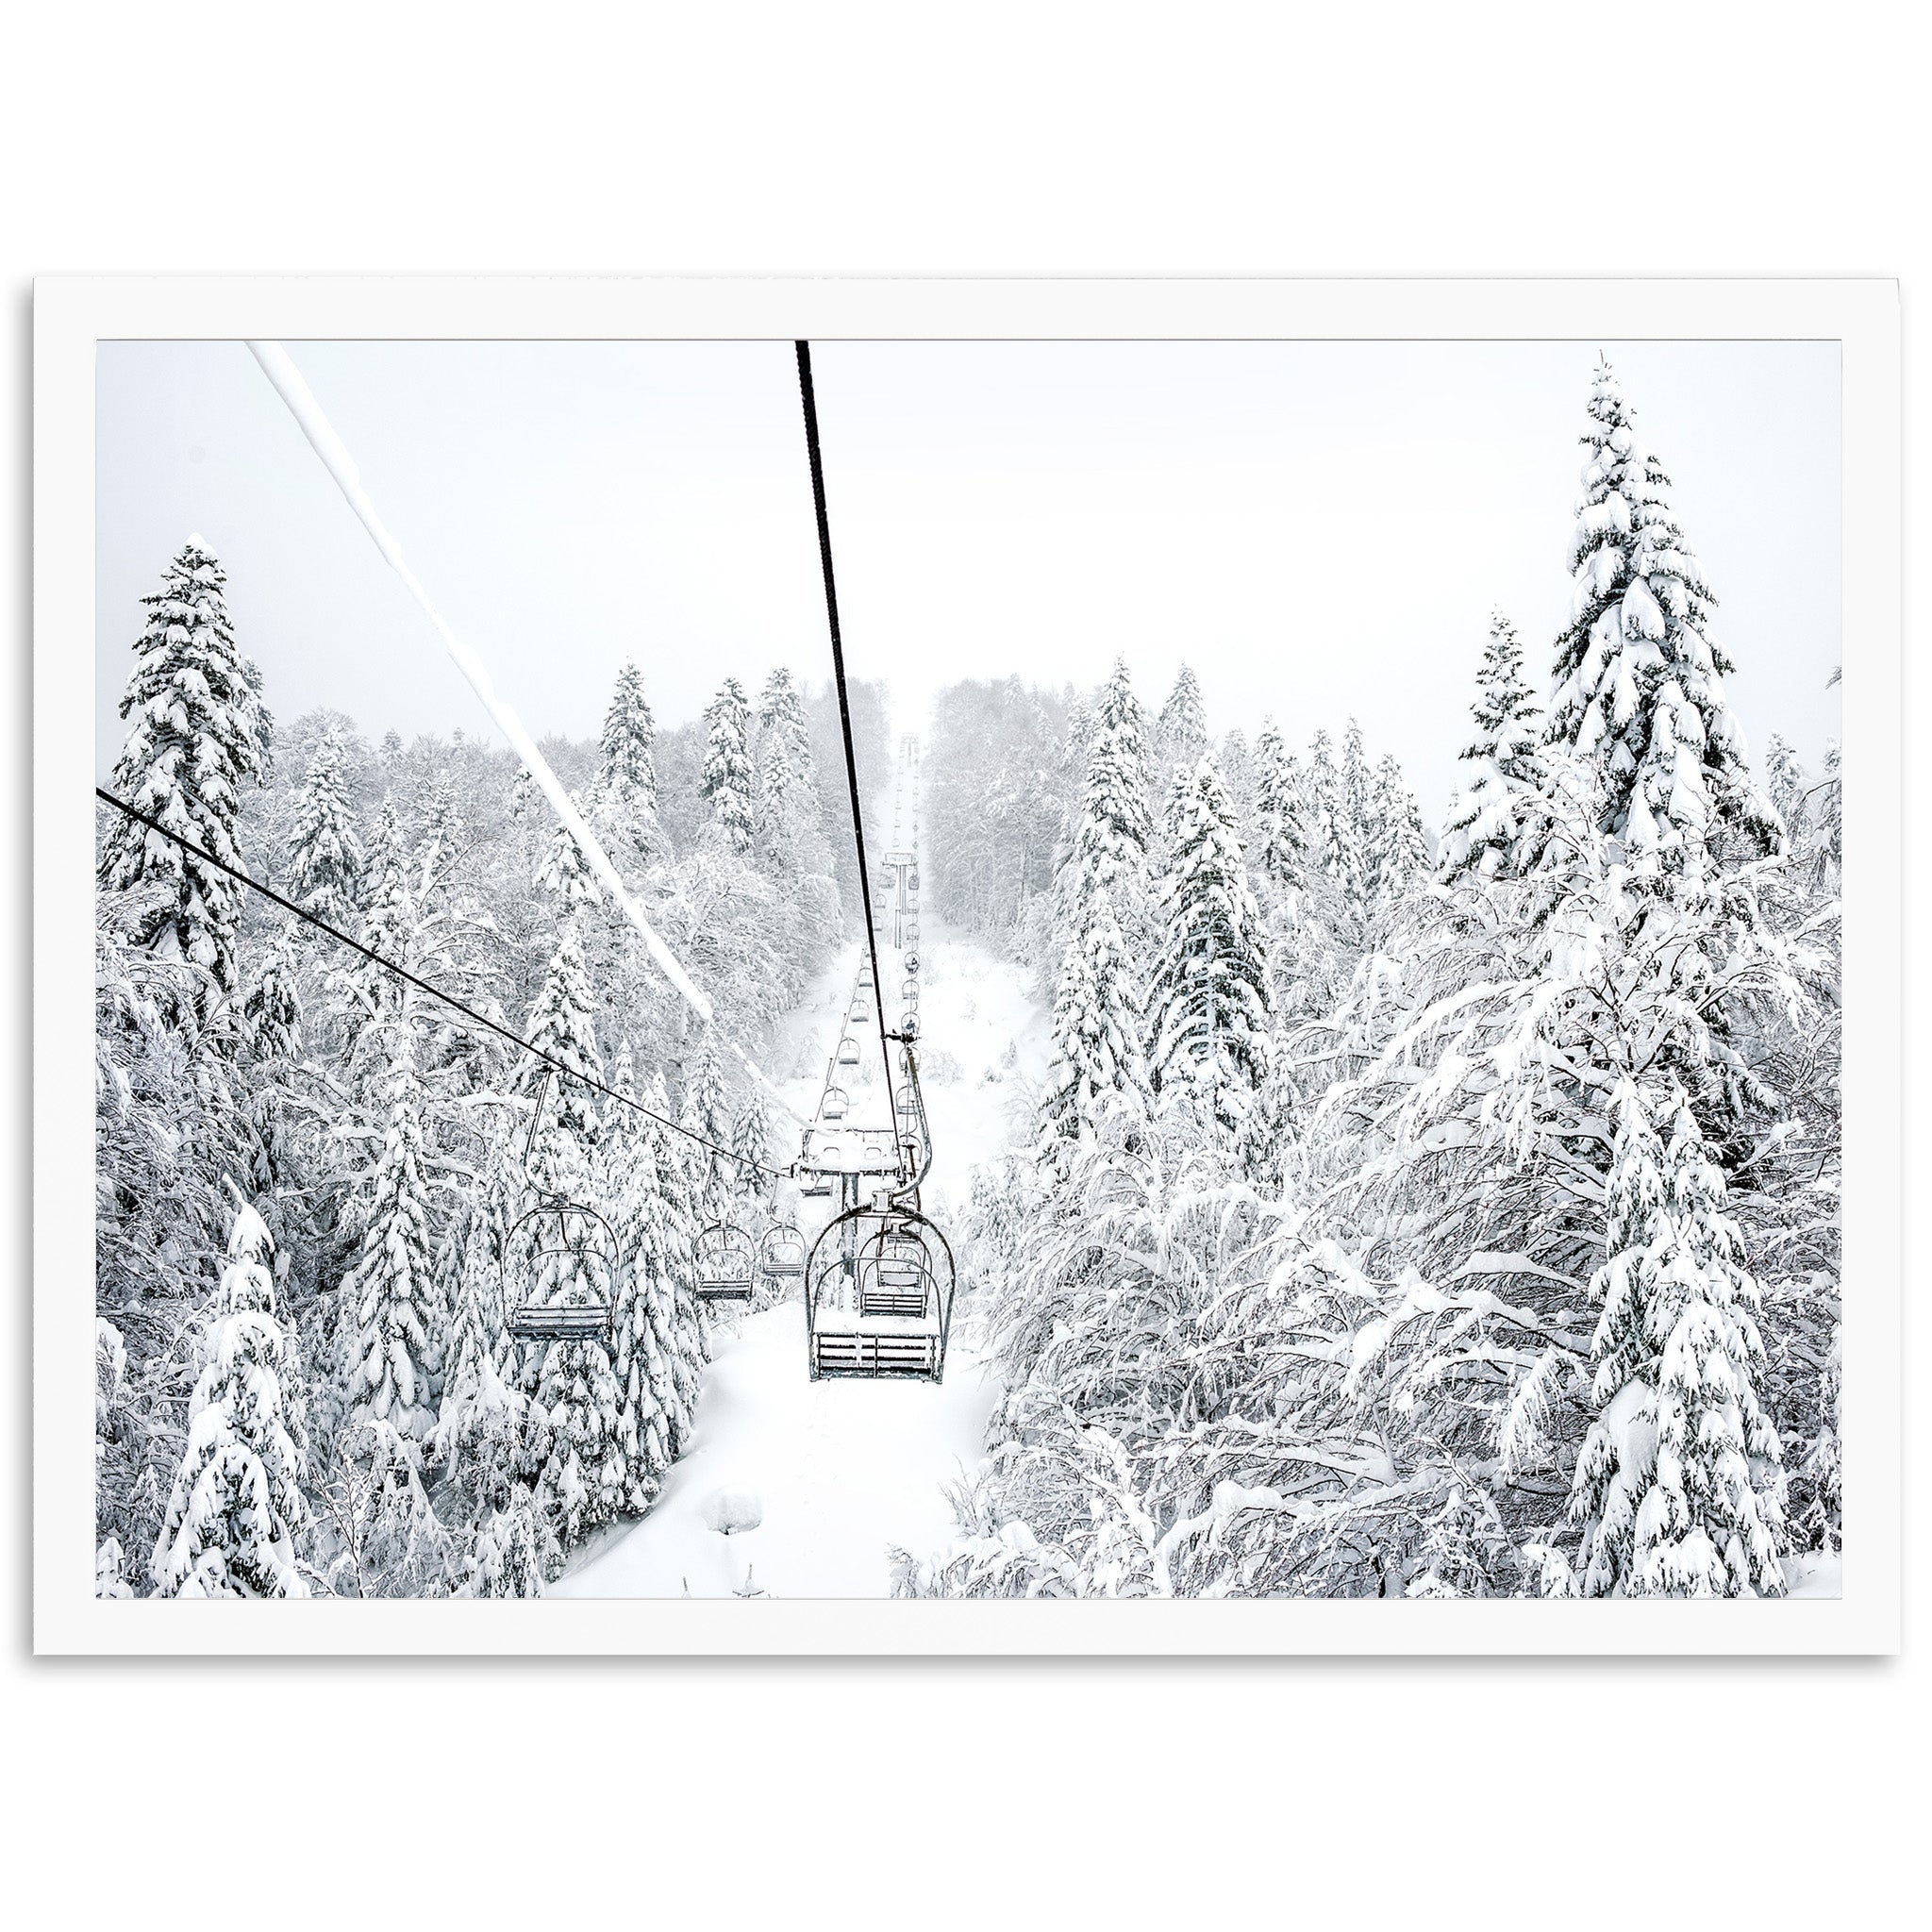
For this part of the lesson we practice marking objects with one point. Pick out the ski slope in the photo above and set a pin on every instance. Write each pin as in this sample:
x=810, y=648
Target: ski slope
x=839, y=1473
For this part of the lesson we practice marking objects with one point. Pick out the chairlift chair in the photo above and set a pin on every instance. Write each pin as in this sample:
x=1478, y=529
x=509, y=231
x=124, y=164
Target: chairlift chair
x=726, y=1263
x=539, y=1240
x=909, y=1023
x=895, y=1326
x=909, y=991
x=912, y=962
x=847, y=1054
x=781, y=1254
x=833, y=1103
x=860, y=1013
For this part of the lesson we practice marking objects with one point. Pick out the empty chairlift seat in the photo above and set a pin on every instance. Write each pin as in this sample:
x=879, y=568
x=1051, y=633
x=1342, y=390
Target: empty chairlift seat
x=833, y=1103
x=725, y=1264
x=781, y=1255
x=879, y=1294
x=847, y=1054
x=559, y=1275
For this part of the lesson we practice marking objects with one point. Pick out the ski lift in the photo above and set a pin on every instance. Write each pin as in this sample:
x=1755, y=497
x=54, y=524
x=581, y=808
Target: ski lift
x=559, y=1238
x=726, y=1263
x=907, y=1106
x=909, y=1023
x=847, y=1054
x=912, y=930
x=913, y=878
x=781, y=1254
x=912, y=962
x=910, y=991
x=833, y=1103
x=860, y=1013
x=865, y=975
x=878, y=1300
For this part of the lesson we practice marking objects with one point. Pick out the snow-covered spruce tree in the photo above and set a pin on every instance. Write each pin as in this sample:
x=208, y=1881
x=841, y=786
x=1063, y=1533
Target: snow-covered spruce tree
x=1097, y=1028
x=627, y=784
x=1495, y=817
x=505, y=1560
x=1109, y=845
x=1356, y=791
x=389, y=1344
x=1400, y=852
x=726, y=784
x=1281, y=834
x=481, y=1440
x=566, y=873
x=272, y=1046
x=751, y=1137
x=627, y=1175
x=237, y=1506
x=323, y=860
x=665, y=1214
x=707, y=1114
x=1337, y=842
x=572, y=1383
x=1676, y=1488
x=1638, y=679
x=1181, y=733
x=1208, y=1002
x=786, y=787
x=196, y=734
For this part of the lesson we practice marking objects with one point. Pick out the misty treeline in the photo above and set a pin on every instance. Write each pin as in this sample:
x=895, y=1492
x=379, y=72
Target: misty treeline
x=314, y=1182
x=1451, y=1217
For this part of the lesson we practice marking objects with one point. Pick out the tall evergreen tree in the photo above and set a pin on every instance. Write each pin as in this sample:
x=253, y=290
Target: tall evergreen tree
x=1494, y=819
x=197, y=733
x=726, y=784
x=1097, y=1026
x=1208, y=1003
x=324, y=856
x=237, y=1504
x=391, y=1294
x=1336, y=836
x=1181, y=734
x=1639, y=678
x=1673, y=1486
x=1400, y=850
x=626, y=783
x=1110, y=851
x=1281, y=833
x=567, y=873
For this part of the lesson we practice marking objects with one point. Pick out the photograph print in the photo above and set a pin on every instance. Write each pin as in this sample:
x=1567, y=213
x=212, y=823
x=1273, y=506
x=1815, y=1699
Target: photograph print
x=919, y=970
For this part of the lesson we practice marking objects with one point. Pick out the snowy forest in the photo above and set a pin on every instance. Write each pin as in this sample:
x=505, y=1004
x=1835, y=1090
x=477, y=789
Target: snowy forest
x=1404, y=1206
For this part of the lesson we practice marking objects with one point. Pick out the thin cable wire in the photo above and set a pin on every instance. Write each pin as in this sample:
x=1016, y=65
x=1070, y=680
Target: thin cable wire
x=809, y=398
x=503, y=1032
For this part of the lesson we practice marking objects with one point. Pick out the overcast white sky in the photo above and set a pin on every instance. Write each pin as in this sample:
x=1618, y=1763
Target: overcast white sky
x=1319, y=528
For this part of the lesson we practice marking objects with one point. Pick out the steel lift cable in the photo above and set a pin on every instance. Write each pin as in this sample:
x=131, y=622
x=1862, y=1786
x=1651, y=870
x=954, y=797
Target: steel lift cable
x=809, y=397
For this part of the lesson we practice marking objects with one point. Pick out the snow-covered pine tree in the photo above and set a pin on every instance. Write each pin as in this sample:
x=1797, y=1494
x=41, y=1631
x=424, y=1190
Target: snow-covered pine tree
x=237, y=1506
x=1281, y=836
x=1639, y=678
x=726, y=781
x=1109, y=848
x=572, y=1383
x=666, y=1214
x=1495, y=817
x=1336, y=834
x=1208, y=1003
x=1181, y=733
x=786, y=791
x=506, y=1560
x=323, y=863
x=1400, y=853
x=272, y=1028
x=567, y=873
x=707, y=1112
x=1097, y=1027
x=1356, y=791
x=1674, y=1488
x=387, y=1327
x=197, y=733
x=628, y=1173
x=627, y=785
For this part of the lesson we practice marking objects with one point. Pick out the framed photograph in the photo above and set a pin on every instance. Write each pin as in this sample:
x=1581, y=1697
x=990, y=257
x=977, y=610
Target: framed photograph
x=1108, y=967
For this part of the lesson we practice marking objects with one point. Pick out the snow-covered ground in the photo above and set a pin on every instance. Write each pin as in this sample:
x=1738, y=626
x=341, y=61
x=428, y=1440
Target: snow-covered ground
x=840, y=1472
